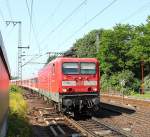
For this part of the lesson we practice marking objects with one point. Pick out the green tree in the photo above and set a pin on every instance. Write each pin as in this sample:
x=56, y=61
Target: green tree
x=86, y=46
x=114, y=47
x=121, y=51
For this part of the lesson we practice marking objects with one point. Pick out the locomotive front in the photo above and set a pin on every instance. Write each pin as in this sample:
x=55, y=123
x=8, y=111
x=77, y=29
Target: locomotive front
x=80, y=85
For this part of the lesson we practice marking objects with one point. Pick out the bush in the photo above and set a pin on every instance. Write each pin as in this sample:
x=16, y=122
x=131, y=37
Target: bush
x=17, y=104
x=18, y=125
x=147, y=81
x=104, y=82
x=114, y=82
x=14, y=88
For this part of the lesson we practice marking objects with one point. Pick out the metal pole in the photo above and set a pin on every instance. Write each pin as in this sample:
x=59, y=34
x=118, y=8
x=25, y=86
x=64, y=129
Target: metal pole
x=19, y=46
x=19, y=53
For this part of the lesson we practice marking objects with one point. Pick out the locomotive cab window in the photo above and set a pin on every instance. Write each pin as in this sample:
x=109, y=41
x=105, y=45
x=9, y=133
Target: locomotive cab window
x=70, y=68
x=88, y=68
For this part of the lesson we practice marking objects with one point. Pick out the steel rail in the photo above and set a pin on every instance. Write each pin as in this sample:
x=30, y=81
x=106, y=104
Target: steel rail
x=123, y=133
x=138, y=118
x=81, y=128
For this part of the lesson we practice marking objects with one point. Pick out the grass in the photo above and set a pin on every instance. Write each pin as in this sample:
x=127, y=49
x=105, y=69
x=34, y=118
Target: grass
x=18, y=125
x=142, y=96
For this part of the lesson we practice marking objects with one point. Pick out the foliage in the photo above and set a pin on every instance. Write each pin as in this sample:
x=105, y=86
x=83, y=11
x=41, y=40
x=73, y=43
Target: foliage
x=121, y=51
x=17, y=122
x=14, y=88
x=142, y=96
x=17, y=104
x=18, y=126
x=147, y=82
x=114, y=81
x=86, y=47
x=114, y=47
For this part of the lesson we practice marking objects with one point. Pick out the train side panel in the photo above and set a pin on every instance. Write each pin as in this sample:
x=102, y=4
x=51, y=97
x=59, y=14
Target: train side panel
x=49, y=81
x=4, y=87
x=55, y=81
x=43, y=79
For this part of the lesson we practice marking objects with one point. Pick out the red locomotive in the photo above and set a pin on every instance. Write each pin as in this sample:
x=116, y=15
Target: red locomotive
x=4, y=87
x=71, y=83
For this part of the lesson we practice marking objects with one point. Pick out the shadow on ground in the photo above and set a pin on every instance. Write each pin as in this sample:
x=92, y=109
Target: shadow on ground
x=59, y=130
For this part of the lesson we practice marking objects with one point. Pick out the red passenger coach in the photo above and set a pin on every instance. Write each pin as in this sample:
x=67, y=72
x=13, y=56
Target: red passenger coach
x=72, y=83
x=30, y=84
x=4, y=87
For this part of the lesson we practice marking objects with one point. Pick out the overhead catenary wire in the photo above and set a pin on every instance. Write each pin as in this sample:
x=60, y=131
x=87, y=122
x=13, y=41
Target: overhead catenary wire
x=2, y=15
x=34, y=32
x=63, y=21
x=9, y=9
x=31, y=12
x=59, y=25
x=136, y=12
x=9, y=33
x=85, y=12
x=90, y=20
x=56, y=8
x=33, y=58
x=51, y=15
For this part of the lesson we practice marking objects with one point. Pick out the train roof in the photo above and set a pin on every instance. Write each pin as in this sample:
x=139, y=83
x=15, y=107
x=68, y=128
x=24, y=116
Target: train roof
x=4, y=55
x=67, y=59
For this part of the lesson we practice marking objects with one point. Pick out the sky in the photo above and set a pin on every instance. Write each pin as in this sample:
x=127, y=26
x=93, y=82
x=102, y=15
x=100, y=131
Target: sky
x=55, y=27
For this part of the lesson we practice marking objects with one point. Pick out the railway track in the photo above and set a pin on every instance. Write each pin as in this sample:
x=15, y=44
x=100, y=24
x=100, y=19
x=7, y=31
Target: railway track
x=129, y=113
x=96, y=128
x=142, y=113
x=137, y=103
x=59, y=125
x=62, y=126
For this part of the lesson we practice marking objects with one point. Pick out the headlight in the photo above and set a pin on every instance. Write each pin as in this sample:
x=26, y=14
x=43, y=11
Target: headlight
x=94, y=89
x=64, y=90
